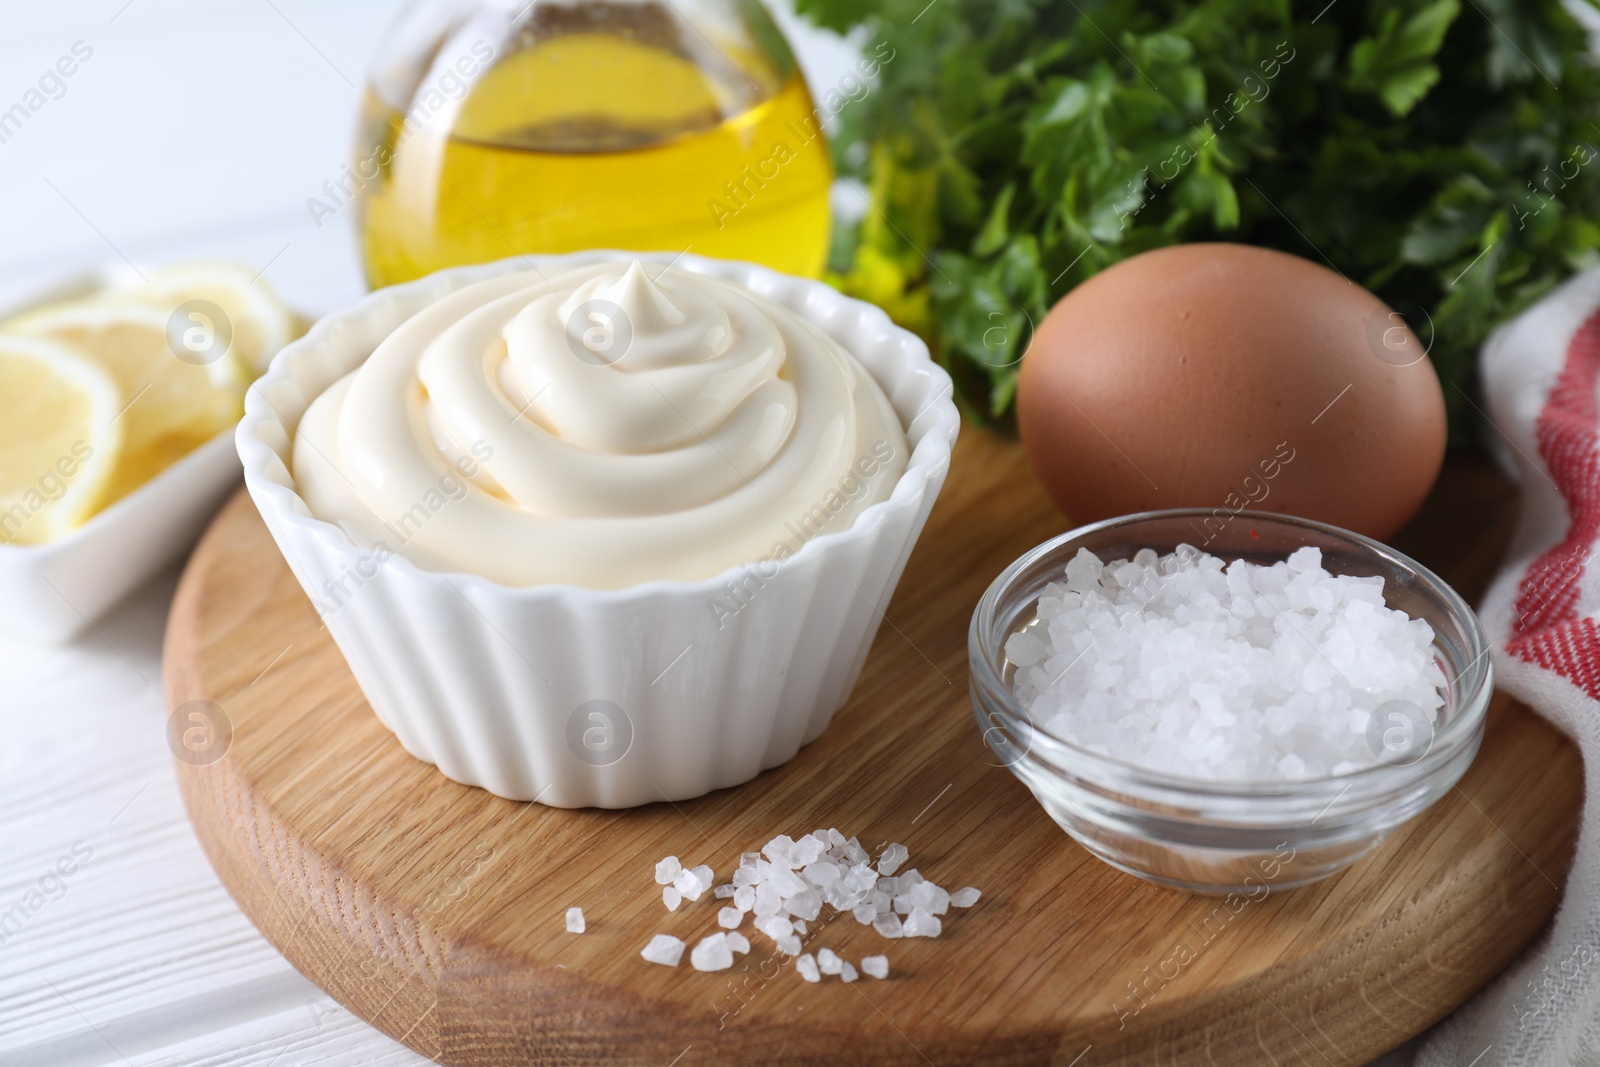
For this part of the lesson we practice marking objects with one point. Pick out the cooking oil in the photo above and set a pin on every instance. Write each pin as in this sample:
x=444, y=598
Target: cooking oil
x=595, y=139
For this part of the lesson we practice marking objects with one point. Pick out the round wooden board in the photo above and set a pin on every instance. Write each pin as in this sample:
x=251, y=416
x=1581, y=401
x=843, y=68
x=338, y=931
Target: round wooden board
x=436, y=911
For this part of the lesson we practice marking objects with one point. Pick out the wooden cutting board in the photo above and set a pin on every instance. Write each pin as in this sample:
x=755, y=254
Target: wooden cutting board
x=436, y=911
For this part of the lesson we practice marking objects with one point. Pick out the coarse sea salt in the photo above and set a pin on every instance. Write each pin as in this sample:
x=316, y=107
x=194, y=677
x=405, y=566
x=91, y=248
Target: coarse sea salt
x=663, y=949
x=712, y=954
x=575, y=923
x=786, y=886
x=1192, y=666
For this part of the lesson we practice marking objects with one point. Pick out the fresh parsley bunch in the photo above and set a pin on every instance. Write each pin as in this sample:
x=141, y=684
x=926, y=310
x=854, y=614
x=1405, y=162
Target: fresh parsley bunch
x=1444, y=153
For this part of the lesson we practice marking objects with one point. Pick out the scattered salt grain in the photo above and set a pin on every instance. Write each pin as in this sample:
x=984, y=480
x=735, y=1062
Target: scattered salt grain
x=775, y=926
x=786, y=885
x=575, y=923
x=1189, y=665
x=663, y=949
x=712, y=954
x=777, y=850
x=693, y=882
x=929, y=898
x=922, y=924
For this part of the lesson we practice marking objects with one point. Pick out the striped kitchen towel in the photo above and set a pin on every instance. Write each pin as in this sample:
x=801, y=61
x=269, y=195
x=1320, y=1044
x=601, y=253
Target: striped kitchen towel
x=1541, y=375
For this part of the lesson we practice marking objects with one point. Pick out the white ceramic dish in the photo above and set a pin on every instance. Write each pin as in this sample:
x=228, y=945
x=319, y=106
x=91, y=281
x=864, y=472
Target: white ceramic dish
x=579, y=697
x=54, y=591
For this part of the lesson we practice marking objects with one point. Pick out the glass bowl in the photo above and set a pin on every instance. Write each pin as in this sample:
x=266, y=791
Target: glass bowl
x=1225, y=837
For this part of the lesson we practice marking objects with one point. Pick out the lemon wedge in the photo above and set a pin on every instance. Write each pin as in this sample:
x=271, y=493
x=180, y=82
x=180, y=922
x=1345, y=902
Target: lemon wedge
x=258, y=324
x=173, y=404
x=60, y=438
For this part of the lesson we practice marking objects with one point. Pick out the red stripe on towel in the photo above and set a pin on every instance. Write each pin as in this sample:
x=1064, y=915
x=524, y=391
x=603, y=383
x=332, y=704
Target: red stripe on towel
x=1548, y=631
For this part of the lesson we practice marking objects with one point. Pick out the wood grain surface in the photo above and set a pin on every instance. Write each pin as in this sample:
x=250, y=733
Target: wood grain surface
x=435, y=911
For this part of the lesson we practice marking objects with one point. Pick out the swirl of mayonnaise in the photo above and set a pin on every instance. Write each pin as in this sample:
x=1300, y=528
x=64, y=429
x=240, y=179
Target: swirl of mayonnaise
x=603, y=428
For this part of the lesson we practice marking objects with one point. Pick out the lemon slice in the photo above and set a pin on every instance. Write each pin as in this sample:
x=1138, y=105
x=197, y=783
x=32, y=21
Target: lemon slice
x=60, y=438
x=172, y=404
x=258, y=324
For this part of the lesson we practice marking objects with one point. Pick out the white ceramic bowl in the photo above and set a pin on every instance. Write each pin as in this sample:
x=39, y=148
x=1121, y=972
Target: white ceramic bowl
x=578, y=697
x=54, y=591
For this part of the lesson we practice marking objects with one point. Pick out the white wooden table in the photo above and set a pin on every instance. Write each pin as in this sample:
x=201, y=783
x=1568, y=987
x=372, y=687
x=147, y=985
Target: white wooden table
x=196, y=128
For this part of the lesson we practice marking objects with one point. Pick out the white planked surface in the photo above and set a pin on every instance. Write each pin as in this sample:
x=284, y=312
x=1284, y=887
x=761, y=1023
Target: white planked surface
x=139, y=956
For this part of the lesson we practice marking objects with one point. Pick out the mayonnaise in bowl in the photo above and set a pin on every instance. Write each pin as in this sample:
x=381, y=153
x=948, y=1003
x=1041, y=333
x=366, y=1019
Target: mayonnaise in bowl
x=602, y=427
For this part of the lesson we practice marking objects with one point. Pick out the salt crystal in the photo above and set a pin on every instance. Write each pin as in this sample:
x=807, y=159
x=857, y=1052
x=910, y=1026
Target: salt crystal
x=744, y=898
x=806, y=966
x=876, y=966
x=738, y=942
x=712, y=954
x=860, y=878
x=922, y=924
x=808, y=850
x=930, y=898
x=575, y=923
x=847, y=972
x=775, y=926
x=729, y=918
x=693, y=882
x=889, y=925
x=671, y=898
x=768, y=900
x=667, y=870
x=725, y=891
x=789, y=946
x=828, y=961
x=892, y=858
x=786, y=882
x=800, y=927
x=821, y=873
x=965, y=898
x=807, y=905
x=663, y=949
x=777, y=850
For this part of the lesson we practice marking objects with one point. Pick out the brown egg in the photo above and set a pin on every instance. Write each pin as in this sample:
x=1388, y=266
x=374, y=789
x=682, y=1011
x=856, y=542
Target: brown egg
x=1227, y=377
